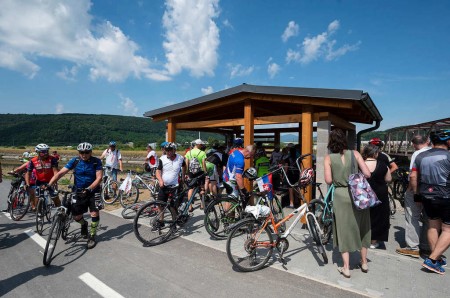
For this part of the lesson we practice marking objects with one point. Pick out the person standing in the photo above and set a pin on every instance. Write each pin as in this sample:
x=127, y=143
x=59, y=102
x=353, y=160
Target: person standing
x=113, y=159
x=351, y=227
x=384, y=157
x=88, y=172
x=151, y=160
x=430, y=181
x=56, y=155
x=415, y=235
x=276, y=156
x=379, y=215
x=196, y=166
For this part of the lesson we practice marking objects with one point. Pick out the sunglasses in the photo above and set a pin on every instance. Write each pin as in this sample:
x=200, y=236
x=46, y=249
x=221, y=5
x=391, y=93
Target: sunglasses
x=44, y=151
x=84, y=152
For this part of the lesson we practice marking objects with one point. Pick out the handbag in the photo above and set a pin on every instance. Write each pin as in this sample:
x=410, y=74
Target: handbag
x=361, y=192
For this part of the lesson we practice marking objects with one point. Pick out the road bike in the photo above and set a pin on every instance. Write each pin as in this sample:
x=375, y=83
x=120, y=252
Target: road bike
x=250, y=242
x=110, y=188
x=138, y=182
x=44, y=207
x=18, y=198
x=60, y=226
x=156, y=221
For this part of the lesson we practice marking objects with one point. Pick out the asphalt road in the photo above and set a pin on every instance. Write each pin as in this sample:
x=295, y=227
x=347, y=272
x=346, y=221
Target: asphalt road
x=119, y=266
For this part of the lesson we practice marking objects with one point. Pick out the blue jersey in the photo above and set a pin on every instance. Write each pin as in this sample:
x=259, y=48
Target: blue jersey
x=235, y=165
x=85, y=171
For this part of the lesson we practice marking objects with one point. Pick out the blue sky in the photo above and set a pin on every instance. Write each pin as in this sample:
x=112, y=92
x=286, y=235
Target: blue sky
x=127, y=57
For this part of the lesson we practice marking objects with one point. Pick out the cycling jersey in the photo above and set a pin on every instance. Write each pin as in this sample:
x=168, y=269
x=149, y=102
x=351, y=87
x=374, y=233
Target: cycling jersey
x=112, y=158
x=170, y=169
x=235, y=165
x=433, y=169
x=43, y=167
x=262, y=166
x=152, y=159
x=85, y=172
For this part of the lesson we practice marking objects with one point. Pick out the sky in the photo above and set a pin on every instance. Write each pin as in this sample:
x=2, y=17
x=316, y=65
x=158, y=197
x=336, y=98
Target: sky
x=125, y=57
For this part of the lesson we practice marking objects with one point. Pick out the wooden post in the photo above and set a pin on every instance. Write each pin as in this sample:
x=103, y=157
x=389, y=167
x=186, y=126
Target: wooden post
x=171, y=133
x=307, y=141
x=248, y=135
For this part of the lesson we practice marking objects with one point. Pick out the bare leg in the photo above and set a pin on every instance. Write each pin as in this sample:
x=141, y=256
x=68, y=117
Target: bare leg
x=434, y=229
x=346, y=259
x=442, y=243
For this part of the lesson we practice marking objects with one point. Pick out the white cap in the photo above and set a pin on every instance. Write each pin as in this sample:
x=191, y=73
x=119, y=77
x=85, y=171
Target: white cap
x=198, y=142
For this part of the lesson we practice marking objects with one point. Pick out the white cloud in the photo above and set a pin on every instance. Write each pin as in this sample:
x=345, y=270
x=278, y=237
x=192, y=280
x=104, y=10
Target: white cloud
x=227, y=23
x=207, y=90
x=68, y=74
x=273, y=69
x=59, y=108
x=128, y=105
x=290, y=31
x=320, y=46
x=237, y=70
x=63, y=30
x=192, y=36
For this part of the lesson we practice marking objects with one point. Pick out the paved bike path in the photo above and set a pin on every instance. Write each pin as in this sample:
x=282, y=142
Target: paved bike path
x=390, y=274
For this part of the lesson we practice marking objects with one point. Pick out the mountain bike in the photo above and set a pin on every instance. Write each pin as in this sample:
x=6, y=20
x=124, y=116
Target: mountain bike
x=156, y=221
x=18, y=198
x=322, y=208
x=44, y=207
x=138, y=182
x=60, y=226
x=400, y=185
x=110, y=188
x=250, y=242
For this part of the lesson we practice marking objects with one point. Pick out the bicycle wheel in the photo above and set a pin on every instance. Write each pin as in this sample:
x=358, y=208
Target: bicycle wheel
x=397, y=189
x=313, y=227
x=65, y=228
x=40, y=216
x=127, y=199
x=392, y=204
x=48, y=211
x=220, y=215
x=325, y=221
x=277, y=212
x=110, y=192
x=20, y=202
x=130, y=211
x=154, y=223
x=249, y=247
x=52, y=238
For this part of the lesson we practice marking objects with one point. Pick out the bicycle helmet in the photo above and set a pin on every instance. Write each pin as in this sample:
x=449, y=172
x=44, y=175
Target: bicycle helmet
x=84, y=147
x=440, y=136
x=26, y=154
x=163, y=144
x=376, y=142
x=307, y=176
x=251, y=174
x=170, y=146
x=238, y=142
x=42, y=147
x=112, y=143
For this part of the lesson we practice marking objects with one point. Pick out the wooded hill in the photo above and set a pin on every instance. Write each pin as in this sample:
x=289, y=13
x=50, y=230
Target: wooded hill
x=71, y=129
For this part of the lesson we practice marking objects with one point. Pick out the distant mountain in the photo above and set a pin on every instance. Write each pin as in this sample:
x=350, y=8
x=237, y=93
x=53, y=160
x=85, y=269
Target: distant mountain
x=72, y=129
x=289, y=138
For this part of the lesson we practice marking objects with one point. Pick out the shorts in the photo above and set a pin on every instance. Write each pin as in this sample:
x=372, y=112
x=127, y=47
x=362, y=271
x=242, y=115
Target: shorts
x=80, y=205
x=166, y=191
x=213, y=175
x=437, y=209
x=231, y=188
x=113, y=173
x=201, y=181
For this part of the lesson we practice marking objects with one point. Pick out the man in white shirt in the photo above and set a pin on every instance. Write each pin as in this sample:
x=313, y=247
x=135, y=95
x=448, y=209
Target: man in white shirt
x=113, y=159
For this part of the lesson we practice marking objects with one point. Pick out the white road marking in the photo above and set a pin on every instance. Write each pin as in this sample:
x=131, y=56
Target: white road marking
x=98, y=286
x=7, y=214
x=37, y=238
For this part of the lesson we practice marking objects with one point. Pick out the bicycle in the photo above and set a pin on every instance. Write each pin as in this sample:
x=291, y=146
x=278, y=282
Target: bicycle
x=250, y=235
x=60, y=226
x=130, y=211
x=400, y=185
x=156, y=221
x=44, y=207
x=110, y=188
x=322, y=208
x=18, y=198
x=138, y=182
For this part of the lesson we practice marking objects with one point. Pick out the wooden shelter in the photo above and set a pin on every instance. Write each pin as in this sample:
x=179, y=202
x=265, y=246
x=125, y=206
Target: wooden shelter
x=237, y=110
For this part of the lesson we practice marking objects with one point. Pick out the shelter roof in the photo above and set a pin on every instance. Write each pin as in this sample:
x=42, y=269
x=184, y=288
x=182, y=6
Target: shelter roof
x=435, y=124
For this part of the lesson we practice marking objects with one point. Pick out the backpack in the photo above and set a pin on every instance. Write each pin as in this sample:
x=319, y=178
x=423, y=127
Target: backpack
x=213, y=158
x=194, y=165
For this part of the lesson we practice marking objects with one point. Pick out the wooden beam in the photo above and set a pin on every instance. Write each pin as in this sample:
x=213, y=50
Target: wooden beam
x=307, y=141
x=293, y=118
x=301, y=100
x=248, y=136
x=171, y=131
x=210, y=124
x=335, y=120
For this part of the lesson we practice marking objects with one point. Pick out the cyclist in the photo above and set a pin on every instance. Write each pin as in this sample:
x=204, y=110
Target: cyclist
x=232, y=175
x=196, y=165
x=430, y=181
x=383, y=157
x=168, y=172
x=88, y=172
x=151, y=160
x=238, y=143
x=113, y=159
x=44, y=167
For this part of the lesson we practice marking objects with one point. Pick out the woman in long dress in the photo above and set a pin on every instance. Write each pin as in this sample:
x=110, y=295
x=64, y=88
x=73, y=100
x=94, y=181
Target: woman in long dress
x=351, y=227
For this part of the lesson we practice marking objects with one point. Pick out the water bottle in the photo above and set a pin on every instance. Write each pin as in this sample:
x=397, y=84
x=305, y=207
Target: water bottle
x=181, y=208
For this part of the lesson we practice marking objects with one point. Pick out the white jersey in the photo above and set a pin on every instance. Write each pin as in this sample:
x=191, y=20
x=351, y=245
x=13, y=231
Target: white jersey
x=152, y=159
x=112, y=158
x=170, y=169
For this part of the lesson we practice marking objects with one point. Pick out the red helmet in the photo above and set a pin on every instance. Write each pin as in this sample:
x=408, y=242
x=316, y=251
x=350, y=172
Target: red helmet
x=306, y=177
x=376, y=142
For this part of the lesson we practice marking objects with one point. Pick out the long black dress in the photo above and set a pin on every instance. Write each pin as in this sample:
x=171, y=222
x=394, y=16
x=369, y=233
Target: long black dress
x=380, y=215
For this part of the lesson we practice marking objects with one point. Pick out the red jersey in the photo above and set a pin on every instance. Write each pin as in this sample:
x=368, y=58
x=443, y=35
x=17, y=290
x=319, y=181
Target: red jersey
x=44, y=168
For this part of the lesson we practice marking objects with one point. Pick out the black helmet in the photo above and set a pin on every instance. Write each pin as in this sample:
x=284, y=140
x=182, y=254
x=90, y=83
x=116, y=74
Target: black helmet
x=440, y=136
x=170, y=146
x=251, y=174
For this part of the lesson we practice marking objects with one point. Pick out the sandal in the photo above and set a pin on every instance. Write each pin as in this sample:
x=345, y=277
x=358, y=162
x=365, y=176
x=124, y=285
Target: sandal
x=344, y=272
x=364, y=267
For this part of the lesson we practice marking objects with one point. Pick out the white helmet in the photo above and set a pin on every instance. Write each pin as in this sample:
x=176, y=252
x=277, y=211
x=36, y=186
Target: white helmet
x=26, y=154
x=84, y=147
x=42, y=147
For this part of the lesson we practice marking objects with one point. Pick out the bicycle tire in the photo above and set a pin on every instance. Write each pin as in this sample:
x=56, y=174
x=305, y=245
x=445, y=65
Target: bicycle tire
x=145, y=222
x=48, y=211
x=40, y=216
x=52, y=239
x=130, y=198
x=130, y=211
x=217, y=218
x=278, y=213
x=110, y=192
x=65, y=229
x=313, y=227
x=392, y=204
x=241, y=249
x=20, y=203
x=317, y=207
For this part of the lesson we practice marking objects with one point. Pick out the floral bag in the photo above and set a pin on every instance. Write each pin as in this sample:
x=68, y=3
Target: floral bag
x=361, y=192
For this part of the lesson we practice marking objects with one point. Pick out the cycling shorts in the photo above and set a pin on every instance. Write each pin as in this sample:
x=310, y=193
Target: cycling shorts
x=80, y=205
x=437, y=209
x=166, y=191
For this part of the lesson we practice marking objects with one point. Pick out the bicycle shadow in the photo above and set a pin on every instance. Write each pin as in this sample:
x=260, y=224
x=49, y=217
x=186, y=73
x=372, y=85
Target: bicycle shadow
x=71, y=253
x=308, y=244
x=399, y=235
x=118, y=232
x=17, y=280
x=7, y=239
